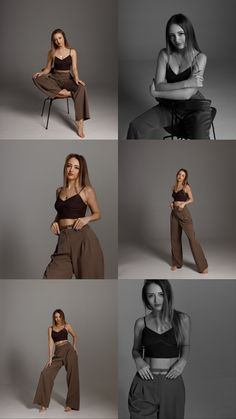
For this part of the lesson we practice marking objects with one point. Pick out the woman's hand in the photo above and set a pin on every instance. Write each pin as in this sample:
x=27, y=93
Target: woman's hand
x=55, y=228
x=177, y=369
x=75, y=349
x=48, y=364
x=78, y=81
x=196, y=80
x=143, y=369
x=171, y=205
x=80, y=223
x=35, y=75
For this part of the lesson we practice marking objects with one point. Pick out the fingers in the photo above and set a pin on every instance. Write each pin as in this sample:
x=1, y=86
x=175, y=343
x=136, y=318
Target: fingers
x=145, y=373
x=173, y=373
x=78, y=224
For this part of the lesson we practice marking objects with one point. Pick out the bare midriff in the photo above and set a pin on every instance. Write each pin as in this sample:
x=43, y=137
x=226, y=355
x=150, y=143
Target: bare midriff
x=160, y=363
x=65, y=222
x=61, y=342
x=177, y=204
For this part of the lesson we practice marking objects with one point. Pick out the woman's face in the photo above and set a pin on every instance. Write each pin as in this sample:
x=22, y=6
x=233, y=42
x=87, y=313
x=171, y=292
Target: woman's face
x=59, y=40
x=181, y=175
x=177, y=36
x=72, y=169
x=57, y=318
x=155, y=297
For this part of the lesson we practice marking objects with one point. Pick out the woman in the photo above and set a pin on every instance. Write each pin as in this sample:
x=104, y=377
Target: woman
x=60, y=78
x=160, y=352
x=179, y=75
x=180, y=219
x=78, y=251
x=64, y=354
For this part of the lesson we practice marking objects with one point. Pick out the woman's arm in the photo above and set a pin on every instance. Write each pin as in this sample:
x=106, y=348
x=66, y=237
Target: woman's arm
x=142, y=367
x=182, y=90
x=48, y=67
x=179, y=366
x=75, y=68
x=50, y=347
x=91, y=200
x=190, y=197
x=73, y=334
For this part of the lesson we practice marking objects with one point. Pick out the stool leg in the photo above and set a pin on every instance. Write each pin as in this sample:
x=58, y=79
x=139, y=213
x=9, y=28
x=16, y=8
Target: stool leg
x=68, y=109
x=172, y=122
x=44, y=106
x=213, y=129
x=49, y=109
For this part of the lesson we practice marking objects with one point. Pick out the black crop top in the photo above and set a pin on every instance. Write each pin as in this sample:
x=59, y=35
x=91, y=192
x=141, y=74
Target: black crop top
x=180, y=196
x=73, y=207
x=64, y=64
x=159, y=345
x=61, y=335
x=172, y=77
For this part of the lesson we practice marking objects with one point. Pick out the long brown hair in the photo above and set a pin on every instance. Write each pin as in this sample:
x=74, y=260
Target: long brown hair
x=185, y=181
x=190, y=37
x=62, y=315
x=168, y=313
x=54, y=46
x=83, y=179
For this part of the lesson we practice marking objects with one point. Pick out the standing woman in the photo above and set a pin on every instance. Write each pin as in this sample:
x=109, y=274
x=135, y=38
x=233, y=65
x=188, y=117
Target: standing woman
x=160, y=351
x=78, y=250
x=179, y=75
x=64, y=354
x=181, y=219
x=60, y=78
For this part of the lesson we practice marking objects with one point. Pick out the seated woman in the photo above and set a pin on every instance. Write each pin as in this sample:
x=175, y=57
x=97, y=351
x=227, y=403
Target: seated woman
x=56, y=79
x=179, y=75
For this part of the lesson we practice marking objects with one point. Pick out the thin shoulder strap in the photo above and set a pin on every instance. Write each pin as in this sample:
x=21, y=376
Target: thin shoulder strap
x=81, y=189
x=70, y=51
x=144, y=319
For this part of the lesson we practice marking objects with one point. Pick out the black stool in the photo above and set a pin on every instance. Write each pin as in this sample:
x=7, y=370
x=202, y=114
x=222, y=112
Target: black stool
x=175, y=129
x=51, y=99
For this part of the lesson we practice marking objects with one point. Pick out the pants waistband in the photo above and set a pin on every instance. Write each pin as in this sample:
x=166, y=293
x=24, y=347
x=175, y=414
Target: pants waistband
x=159, y=371
x=69, y=227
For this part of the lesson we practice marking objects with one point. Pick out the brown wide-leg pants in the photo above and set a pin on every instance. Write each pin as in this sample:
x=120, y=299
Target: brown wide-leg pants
x=67, y=356
x=182, y=220
x=160, y=398
x=52, y=83
x=77, y=253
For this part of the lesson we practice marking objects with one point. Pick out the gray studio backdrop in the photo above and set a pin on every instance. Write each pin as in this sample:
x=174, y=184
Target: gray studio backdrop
x=147, y=171
x=210, y=375
x=90, y=27
x=90, y=307
x=30, y=173
x=142, y=36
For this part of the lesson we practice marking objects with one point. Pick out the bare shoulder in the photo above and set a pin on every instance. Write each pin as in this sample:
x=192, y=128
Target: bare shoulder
x=185, y=319
x=73, y=51
x=58, y=191
x=50, y=53
x=173, y=188
x=67, y=326
x=187, y=188
x=201, y=59
x=89, y=191
x=50, y=328
x=139, y=324
x=163, y=55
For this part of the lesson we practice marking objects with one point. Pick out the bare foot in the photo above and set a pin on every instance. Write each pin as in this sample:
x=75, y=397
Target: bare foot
x=42, y=409
x=64, y=93
x=67, y=409
x=205, y=271
x=80, y=128
x=173, y=268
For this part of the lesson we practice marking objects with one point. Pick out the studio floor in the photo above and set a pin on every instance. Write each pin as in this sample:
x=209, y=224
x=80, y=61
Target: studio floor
x=17, y=403
x=21, y=115
x=139, y=261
